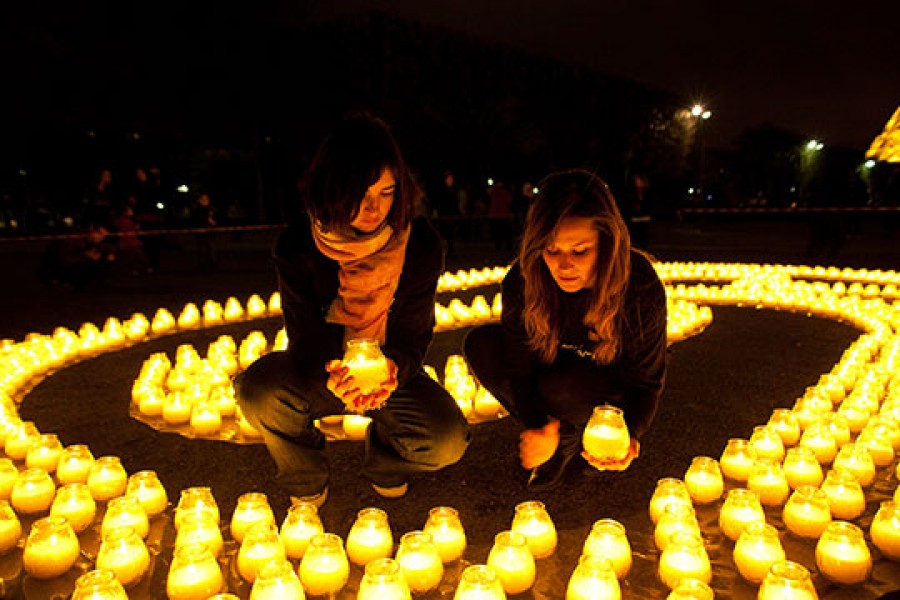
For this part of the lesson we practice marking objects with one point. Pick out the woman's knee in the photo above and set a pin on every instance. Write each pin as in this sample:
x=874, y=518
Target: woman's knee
x=256, y=386
x=482, y=348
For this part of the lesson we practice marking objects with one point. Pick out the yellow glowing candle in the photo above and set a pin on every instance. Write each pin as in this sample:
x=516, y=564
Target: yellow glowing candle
x=447, y=532
x=737, y=459
x=802, y=468
x=195, y=501
x=44, y=453
x=676, y=518
x=151, y=403
x=149, y=491
x=176, y=409
x=251, y=508
x=756, y=550
x=856, y=459
x=74, y=464
x=684, y=557
x=787, y=580
x=51, y=548
x=807, y=513
x=324, y=568
x=200, y=528
x=845, y=495
x=10, y=528
x=123, y=552
x=691, y=589
x=370, y=537
x=819, y=438
x=785, y=423
x=606, y=435
x=608, y=539
x=704, y=480
x=480, y=582
x=300, y=524
x=366, y=364
x=205, y=418
x=769, y=481
x=766, y=442
x=842, y=555
x=260, y=546
x=75, y=502
x=532, y=521
x=8, y=476
x=885, y=529
x=33, y=492
x=107, y=478
x=355, y=426
x=20, y=440
x=420, y=562
x=669, y=490
x=512, y=561
x=593, y=577
x=277, y=580
x=383, y=580
x=194, y=573
x=99, y=584
x=125, y=511
x=741, y=508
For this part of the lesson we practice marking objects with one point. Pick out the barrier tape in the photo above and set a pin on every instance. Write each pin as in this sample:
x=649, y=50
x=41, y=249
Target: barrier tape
x=145, y=233
x=795, y=210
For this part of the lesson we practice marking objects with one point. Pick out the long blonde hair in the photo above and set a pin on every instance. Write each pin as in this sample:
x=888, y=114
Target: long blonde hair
x=575, y=193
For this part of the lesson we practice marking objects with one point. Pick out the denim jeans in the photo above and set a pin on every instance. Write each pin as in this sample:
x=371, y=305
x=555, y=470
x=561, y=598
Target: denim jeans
x=420, y=428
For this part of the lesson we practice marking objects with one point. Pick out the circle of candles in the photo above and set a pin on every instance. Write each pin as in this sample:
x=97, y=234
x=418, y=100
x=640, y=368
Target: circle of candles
x=801, y=467
x=149, y=491
x=447, y=532
x=741, y=508
x=675, y=518
x=260, y=545
x=842, y=555
x=668, y=490
x=606, y=435
x=737, y=459
x=370, y=537
x=74, y=464
x=383, y=580
x=8, y=475
x=532, y=521
x=10, y=527
x=251, y=508
x=787, y=580
x=277, y=580
x=355, y=426
x=691, y=589
x=479, y=582
x=885, y=529
x=786, y=425
x=51, y=548
x=324, y=568
x=767, y=479
x=98, y=584
x=756, y=550
x=125, y=511
x=845, y=495
x=194, y=573
x=857, y=460
x=684, y=557
x=201, y=528
x=819, y=438
x=420, y=562
x=44, y=453
x=194, y=501
x=107, y=478
x=366, y=364
x=123, y=552
x=807, y=513
x=512, y=561
x=33, y=492
x=300, y=524
x=75, y=502
x=767, y=443
x=703, y=479
x=608, y=539
x=593, y=577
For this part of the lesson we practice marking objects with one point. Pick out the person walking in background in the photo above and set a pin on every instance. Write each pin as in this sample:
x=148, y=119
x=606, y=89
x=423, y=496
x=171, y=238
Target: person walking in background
x=78, y=262
x=584, y=324
x=357, y=264
x=203, y=218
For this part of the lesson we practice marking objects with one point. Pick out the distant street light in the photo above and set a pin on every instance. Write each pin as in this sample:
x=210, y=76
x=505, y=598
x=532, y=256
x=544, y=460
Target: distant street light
x=701, y=114
x=814, y=145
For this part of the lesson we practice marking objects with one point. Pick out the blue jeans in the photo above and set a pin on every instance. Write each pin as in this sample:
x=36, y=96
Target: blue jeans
x=420, y=428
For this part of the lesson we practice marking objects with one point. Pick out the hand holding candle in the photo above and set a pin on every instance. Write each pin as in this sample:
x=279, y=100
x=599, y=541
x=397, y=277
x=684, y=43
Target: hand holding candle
x=364, y=379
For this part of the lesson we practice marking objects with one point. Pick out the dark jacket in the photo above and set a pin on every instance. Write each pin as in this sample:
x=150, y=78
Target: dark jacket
x=639, y=368
x=308, y=281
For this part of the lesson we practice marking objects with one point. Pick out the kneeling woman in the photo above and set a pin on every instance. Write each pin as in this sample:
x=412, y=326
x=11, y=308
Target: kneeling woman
x=584, y=324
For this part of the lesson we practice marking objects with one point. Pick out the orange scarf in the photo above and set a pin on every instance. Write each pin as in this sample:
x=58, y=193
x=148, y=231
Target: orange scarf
x=368, y=275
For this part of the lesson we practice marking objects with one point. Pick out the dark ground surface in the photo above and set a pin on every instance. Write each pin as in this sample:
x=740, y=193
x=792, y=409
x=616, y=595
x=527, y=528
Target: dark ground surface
x=721, y=383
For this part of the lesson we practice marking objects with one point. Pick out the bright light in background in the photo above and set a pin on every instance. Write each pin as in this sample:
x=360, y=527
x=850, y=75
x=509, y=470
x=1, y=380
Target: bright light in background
x=535, y=190
x=160, y=205
x=814, y=145
x=697, y=110
x=490, y=181
x=183, y=188
x=869, y=163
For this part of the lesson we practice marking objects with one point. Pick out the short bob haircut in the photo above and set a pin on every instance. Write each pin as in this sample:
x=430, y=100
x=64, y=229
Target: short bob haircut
x=350, y=160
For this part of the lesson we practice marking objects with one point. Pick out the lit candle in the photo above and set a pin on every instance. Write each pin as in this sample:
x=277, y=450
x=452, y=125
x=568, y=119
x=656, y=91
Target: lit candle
x=99, y=584
x=842, y=555
x=370, y=537
x=125, y=511
x=260, y=546
x=802, y=468
x=20, y=440
x=446, y=530
x=766, y=442
x=355, y=426
x=194, y=501
x=807, y=512
x=10, y=528
x=251, y=508
x=367, y=365
x=205, y=418
x=676, y=518
x=819, y=438
x=856, y=459
x=324, y=568
x=300, y=524
x=200, y=528
x=194, y=573
x=420, y=562
x=704, y=480
x=107, y=478
x=177, y=408
x=669, y=490
x=44, y=453
x=532, y=521
x=383, y=580
x=785, y=423
x=737, y=459
x=151, y=403
x=33, y=492
x=277, y=580
x=885, y=529
x=594, y=577
x=74, y=464
x=845, y=495
x=480, y=582
x=756, y=550
x=741, y=508
x=878, y=442
x=149, y=490
x=512, y=561
x=606, y=435
x=51, y=548
x=691, y=589
x=608, y=539
x=8, y=475
x=123, y=552
x=75, y=502
x=684, y=557
x=787, y=580
x=768, y=480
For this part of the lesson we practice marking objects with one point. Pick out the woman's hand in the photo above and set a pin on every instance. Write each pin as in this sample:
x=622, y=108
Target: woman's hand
x=634, y=450
x=341, y=384
x=536, y=446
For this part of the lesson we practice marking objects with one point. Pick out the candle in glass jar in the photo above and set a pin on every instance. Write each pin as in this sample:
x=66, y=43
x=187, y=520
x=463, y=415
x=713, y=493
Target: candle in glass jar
x=194, y=573
x=420, y=562
x=787, y=580
x=51, y=548
x=856, y=459
x=819, y=438
x=300, y=524
x=684, y=557
x=8, y=475
x=606, y=435
x=125, y=511
x=277, y=580
x=593, y=577
x=205, y=418
x=44, y=453
x=807, y=513
x=885, y=529
x=324, y=568
x=383, y=580
x=691, y=589
x=193, y=501
x=107, y=478
x=842, y=555
x=480, y=582
x=447, y=532
x=367, y=365
x=741, y=508
x=802, y=468
x=769, y=481
x=737, y=459
x=675, y=518
x=251, y=508
x=260, y=545
x=33, y=492
x=767, y=443
x=75, y=502
x=879, y=445
x=123, y=552
x=370, y=537
x=150, y=492
x=201, y=528
x=785, y=423
x=74, y=464
x=845, y=496
x=704, y=480
x=532, y=521
x=756, y=550
x=669, y=490
x=99, y=584
x=10, y=527
x=608, y=539
x=355, y=426
x=512, y=561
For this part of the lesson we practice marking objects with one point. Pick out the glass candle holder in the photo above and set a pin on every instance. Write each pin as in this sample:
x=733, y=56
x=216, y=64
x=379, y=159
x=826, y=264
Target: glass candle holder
x=355, y=426
x=819, y=438
x=609, y=539
x=33, y=492
x=125, y=511
x=842, y=555
x=204, y=529
x=845, y=496
x=44, y=453
x=366, y=363
x=75, y=502
x=370, y=537
x=741, y=508
x=123, y=552
x=767, y=479
x=194, y=573
x=277, y=580
x=20, y=440
x=8, y=475
x=99, y=584
x=593, y=577
x=677, y=518
x=447, y=531
x=840, y=429
x=691, y=589
x=420, y=562
x=737, y=459
x=878, y=442
x=704, y=480
x=51, y=548
x=149, y=491
x=787, y=580
x=807, y=513
x=802, y=468
x=767, y=443
x=205, y=418
x=107, y=478
x=195, y=501
x=300, y=524
x=532, y=520
x=383, y=580
x=856, y=459
x=606, y=436
x=756, y=550
x=479, y=582
x=512, y=561
x=324, y=568
x=668, y=490
x=885, y=529
x=251, y=508
x=684, y=557
x=260, y=545
x=10, y=528
x=786, y=425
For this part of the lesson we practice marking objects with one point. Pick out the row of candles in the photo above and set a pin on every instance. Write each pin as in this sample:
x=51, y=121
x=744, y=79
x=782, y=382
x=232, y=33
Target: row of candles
x=869, y=315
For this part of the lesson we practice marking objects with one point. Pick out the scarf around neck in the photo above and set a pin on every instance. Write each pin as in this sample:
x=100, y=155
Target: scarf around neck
x=369, y=267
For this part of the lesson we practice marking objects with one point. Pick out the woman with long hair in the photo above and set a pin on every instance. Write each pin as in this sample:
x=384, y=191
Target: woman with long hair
x=583, y=325
x=357, y=264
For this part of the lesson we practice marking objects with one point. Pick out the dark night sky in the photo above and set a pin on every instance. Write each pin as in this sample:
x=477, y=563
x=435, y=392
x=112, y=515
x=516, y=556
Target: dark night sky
x=828, y=68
